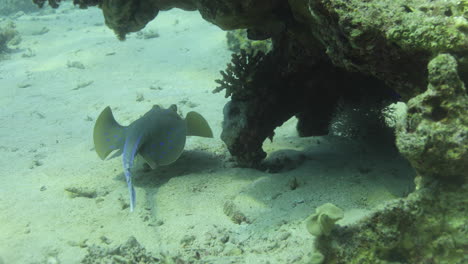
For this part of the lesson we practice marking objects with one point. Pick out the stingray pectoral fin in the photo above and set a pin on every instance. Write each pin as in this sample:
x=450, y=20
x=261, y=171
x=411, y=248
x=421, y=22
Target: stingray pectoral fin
x=197, y=125
x=108, y=135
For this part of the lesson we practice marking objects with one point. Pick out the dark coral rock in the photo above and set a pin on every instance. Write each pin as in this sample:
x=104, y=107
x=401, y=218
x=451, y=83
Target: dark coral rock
x=229, y=14
x=124, y=16
x=81, y=3
x=237, y=40
x=267, y=90
x=52, y=3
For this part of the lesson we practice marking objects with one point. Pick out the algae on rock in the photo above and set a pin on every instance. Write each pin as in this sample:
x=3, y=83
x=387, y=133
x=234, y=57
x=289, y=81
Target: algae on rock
x=435, y=136
x=238, y=40
x=429, y=226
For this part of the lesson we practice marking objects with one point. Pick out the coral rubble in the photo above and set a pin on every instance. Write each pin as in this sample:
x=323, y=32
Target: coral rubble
x=9, y=36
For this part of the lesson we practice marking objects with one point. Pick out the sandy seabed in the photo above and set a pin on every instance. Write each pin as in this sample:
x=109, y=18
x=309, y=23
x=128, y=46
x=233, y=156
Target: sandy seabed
x=58, y=198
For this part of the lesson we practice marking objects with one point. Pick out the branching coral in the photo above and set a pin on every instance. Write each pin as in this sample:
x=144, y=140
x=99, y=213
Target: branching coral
x=239, y=74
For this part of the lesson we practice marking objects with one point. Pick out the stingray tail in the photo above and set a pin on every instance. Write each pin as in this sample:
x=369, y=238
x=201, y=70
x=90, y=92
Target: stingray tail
x=129, y=152
x=108, y=135
x=131, y=189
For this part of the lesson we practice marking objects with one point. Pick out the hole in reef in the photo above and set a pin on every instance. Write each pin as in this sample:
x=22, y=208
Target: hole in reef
x=366, y=171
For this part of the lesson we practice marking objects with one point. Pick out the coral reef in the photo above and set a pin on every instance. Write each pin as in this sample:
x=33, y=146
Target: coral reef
x=410, y=230
x=328, y=51
x=435, y=136
x=128, y=16
x=393, y=46
x=80, y=3
x=268, y=89
x=9, y=36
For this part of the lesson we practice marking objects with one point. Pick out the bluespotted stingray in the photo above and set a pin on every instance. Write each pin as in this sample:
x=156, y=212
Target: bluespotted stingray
x=158, y=137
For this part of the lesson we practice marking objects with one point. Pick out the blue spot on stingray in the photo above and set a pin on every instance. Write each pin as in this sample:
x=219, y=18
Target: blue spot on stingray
x=106, y=133
x=107, y=139
x=116, y=136
x=161, y=143
x=112, y=147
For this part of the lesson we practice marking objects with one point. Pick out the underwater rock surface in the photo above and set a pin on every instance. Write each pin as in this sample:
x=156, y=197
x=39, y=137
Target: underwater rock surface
x=429, y=226
x=435, y=138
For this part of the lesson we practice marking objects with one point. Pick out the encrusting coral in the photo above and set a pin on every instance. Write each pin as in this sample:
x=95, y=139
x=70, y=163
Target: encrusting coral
x=238, y=40
x=435, y=136
x=429, y=226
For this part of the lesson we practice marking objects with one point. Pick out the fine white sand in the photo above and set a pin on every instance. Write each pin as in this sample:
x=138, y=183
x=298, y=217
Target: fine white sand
x=57, y=197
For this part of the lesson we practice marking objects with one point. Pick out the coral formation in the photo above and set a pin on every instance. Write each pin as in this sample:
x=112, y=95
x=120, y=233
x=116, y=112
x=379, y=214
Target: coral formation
x=268, y=89
x=9, y=36
x=429, y=226
x=323, y=220
x=238, y=40
x=435, y=136
x=238, y=76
